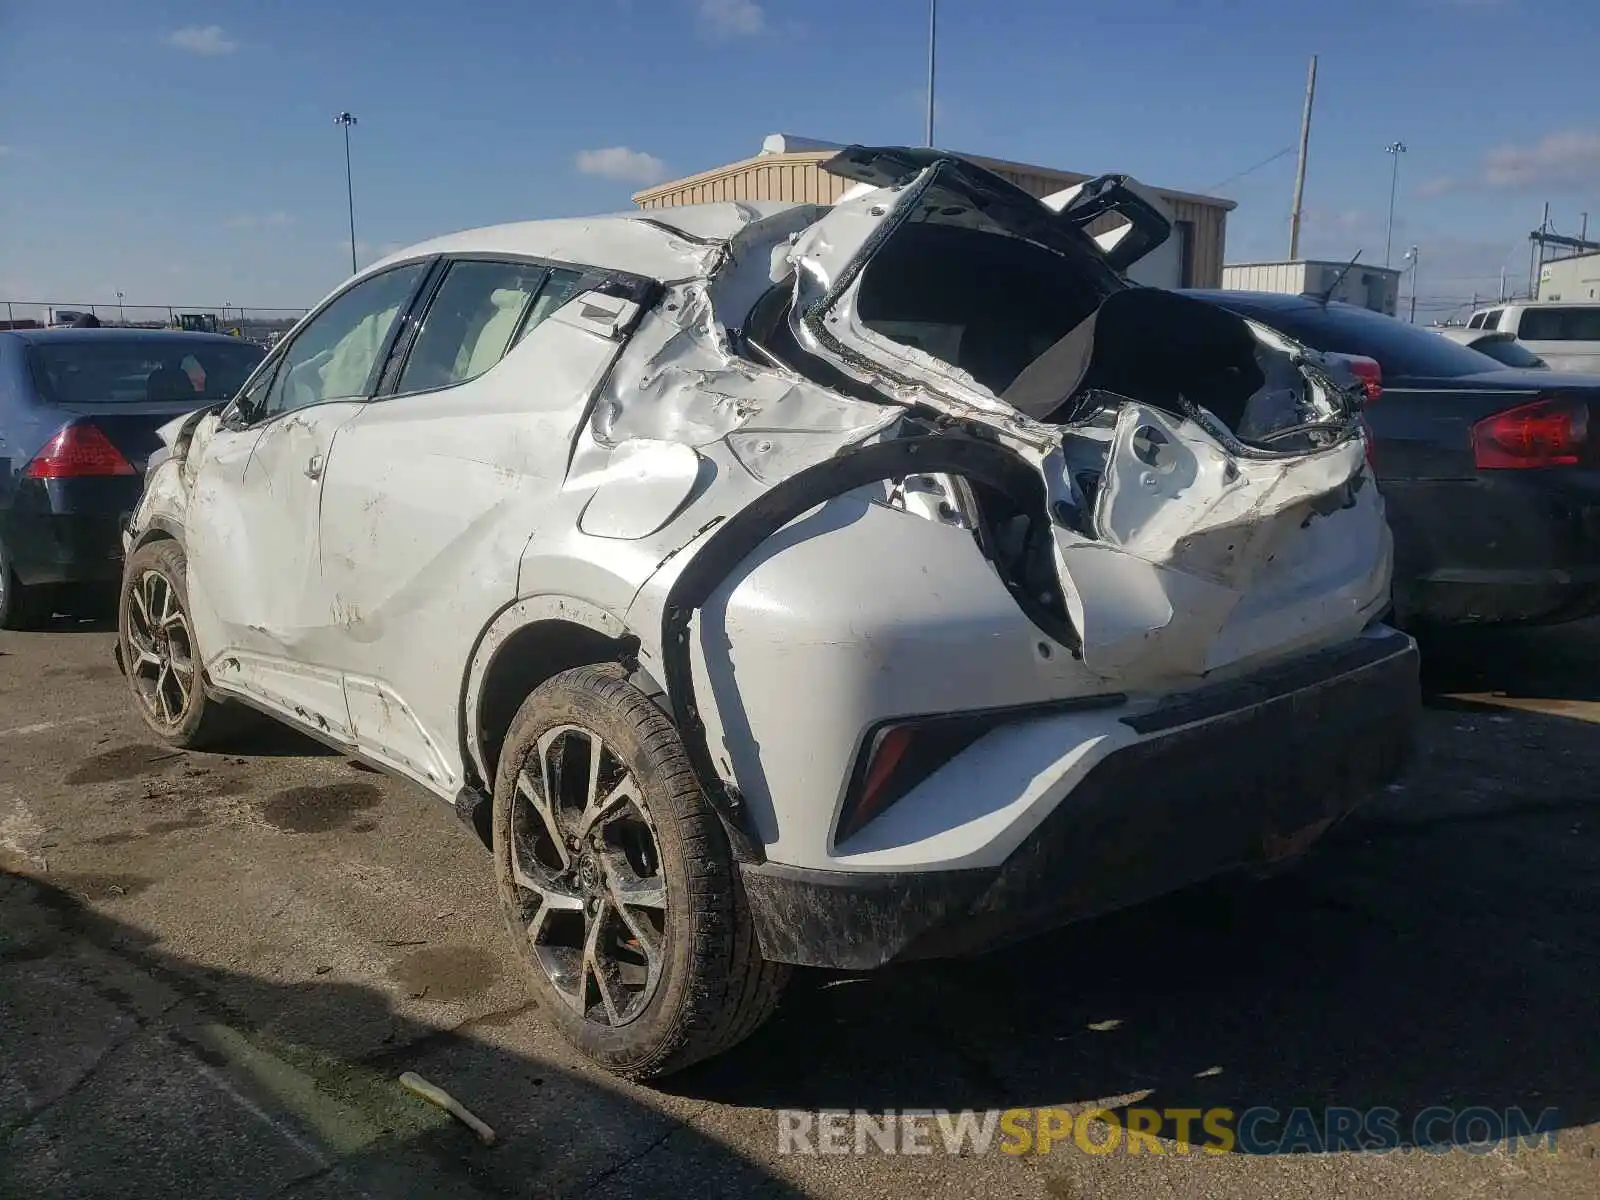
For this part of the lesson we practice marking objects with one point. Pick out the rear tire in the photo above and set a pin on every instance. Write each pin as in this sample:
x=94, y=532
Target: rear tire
x=617, y=884
x=20, y=607
x=164, y=668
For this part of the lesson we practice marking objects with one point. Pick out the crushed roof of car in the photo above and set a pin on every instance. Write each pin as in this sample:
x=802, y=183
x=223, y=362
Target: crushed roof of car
x=655, y=243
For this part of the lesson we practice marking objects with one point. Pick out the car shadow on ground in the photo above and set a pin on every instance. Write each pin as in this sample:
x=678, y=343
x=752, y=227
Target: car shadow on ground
x=1550, y=663
x=80, y=610
x=1442, y=948
x=218, y=1083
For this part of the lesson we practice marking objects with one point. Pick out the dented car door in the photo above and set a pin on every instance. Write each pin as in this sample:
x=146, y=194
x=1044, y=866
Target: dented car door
x=260, y=607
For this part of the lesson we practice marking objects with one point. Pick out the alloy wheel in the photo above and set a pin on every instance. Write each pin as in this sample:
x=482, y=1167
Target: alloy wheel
x=162, y=658
x=586, y=862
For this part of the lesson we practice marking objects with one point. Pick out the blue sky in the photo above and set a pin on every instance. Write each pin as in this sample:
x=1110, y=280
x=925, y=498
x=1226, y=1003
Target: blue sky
x=186, y=153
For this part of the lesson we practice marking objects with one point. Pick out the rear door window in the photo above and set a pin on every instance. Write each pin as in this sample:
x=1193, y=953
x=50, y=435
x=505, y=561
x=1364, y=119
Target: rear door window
x=476, y=316
x=1574, y=324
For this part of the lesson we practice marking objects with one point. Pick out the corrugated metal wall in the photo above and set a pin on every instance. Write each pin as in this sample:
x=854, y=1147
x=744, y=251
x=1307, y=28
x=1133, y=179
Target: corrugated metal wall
x=800, y=178
x=1286, y=277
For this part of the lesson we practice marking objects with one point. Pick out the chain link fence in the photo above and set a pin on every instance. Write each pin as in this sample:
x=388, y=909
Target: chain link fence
x=254, y=324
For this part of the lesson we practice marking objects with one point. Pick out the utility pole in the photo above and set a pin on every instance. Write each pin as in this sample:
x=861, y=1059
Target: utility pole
x=346, y=119
x=1394, y=149
x=933, y=44
x=1536, y=252
x=1300, y=168
x=1414, y=258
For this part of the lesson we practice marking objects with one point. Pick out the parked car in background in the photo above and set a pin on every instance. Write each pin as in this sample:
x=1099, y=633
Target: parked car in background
x=1499, y=345
x=1566, y=335
x=760, y=579
x=1490, y=474
x=79, y=410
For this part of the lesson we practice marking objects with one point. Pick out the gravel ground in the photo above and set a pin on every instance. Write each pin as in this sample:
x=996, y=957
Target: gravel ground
x=214, y=967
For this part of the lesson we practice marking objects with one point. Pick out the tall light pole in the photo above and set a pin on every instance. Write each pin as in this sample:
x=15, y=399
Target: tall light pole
x=933, y=43
x=122, y=317
x=346, y=120
x=1394, y=149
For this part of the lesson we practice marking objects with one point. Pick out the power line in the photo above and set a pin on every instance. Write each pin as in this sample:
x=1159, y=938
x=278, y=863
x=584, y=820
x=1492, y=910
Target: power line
x=1251, y=170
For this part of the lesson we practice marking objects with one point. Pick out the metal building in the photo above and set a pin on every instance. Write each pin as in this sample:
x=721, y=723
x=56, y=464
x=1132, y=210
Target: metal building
x=1575, y=278
x=789, y=168
x=1377, y=288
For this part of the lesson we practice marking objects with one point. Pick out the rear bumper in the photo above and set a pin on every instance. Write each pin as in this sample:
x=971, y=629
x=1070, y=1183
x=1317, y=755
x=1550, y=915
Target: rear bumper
x=69, y=530
x=47, y=548
x=1508, y=546
x=1245, y=772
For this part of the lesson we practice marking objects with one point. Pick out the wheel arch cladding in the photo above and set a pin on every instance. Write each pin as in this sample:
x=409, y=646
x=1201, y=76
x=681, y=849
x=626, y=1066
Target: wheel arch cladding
x=529, y=655
x=159, y=530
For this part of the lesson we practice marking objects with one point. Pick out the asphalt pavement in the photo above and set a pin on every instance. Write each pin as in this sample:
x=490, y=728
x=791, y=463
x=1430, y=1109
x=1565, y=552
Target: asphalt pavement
x=214, y=967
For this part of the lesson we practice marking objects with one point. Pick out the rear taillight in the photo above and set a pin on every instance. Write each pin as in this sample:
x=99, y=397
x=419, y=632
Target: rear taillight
x=1369, y=372
x=896, y=758
x=78, y=450
x=1546, y=433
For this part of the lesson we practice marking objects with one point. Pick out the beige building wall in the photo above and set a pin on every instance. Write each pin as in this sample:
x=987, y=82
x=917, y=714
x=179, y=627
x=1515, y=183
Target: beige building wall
x=799, y=177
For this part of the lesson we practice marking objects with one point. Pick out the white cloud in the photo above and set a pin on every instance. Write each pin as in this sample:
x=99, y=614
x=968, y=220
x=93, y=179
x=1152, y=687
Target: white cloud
x=202, y=39
x=1439, y=185
x=4, y=150
x=622, y=164
x=1567, y=159
x=731, y=18
x=277, y=219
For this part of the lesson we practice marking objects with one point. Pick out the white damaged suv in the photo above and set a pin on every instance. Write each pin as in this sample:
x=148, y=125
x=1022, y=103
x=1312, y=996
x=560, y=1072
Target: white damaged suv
x=782, y=584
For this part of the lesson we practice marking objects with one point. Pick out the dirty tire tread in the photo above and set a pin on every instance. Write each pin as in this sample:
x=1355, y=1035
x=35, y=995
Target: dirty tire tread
x=206, y=722
x=731, y=989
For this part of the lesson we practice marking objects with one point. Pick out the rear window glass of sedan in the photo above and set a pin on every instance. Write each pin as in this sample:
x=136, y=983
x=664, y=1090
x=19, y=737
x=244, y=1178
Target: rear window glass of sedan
x=1560, y=325
x=1401, y=349
x=118, y=370
x=1512, y=354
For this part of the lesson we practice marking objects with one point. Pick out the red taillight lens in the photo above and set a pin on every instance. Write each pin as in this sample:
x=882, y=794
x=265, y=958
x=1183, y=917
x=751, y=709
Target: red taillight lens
x=876, y=789
x=1546, y=433
x=1369, y=372
x=78, y=450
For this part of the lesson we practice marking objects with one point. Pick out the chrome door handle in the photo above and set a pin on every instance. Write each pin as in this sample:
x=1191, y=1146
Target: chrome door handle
x=314, y=467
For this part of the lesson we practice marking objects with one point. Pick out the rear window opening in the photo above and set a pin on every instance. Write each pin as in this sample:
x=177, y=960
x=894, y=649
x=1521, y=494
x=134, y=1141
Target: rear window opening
x=107, y=369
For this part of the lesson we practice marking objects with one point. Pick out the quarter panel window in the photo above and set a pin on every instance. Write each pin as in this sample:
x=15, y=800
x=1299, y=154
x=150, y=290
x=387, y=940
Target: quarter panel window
x=335, y=357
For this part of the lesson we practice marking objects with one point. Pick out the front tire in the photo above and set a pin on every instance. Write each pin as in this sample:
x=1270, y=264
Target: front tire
x=162, y=662
x=617, y=884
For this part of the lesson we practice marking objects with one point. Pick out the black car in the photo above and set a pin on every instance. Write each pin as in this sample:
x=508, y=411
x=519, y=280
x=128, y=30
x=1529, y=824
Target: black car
x=79, y=410
x=1491, y=475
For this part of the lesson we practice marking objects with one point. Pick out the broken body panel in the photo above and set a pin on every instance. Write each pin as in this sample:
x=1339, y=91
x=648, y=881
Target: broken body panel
x=798, y=542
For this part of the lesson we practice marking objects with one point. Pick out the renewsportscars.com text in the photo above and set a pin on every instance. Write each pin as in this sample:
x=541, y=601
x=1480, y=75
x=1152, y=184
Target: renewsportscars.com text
x=1171, y=1131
